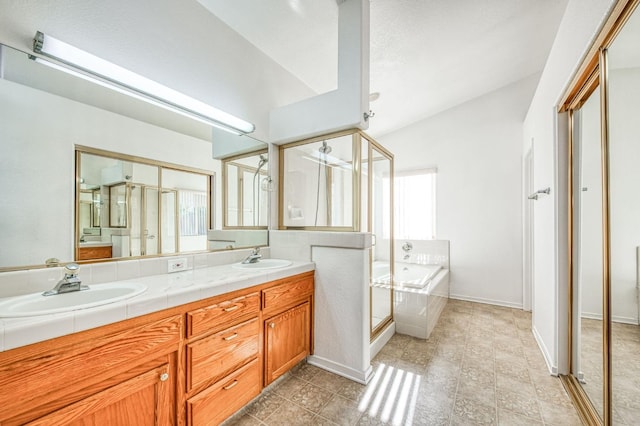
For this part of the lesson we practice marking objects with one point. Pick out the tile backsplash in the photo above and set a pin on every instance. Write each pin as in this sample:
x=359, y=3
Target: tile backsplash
x=16, y=283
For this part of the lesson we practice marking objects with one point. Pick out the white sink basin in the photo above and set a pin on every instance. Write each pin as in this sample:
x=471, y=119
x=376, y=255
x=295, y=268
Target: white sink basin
x=37, y=304
x=264, y=264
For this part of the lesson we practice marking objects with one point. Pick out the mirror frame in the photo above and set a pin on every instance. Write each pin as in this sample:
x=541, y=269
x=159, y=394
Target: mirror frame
x=225, y=191
x=80, y=149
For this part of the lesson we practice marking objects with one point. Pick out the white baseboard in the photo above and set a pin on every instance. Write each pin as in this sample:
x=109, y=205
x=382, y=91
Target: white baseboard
x=382, y=340
x=614, y=318
x=342, y=370
x=553, y=369
x=486, y=301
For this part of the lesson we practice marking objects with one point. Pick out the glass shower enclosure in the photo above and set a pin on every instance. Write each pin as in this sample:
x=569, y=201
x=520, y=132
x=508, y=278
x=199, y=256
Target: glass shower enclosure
x=343, y=182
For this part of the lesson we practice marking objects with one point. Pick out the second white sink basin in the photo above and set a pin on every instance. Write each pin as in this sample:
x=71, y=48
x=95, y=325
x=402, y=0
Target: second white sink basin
x=36, y=304
x=264, y=264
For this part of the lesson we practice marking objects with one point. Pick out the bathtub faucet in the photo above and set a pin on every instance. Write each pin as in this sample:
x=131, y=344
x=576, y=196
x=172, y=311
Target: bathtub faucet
x=406, y=248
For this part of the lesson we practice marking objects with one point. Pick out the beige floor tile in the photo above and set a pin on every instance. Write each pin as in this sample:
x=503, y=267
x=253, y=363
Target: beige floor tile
x=467, y=409
x=290, y=414
x=509, y=418
x=265, y=405
x=341, y=411
x=289, y=387
x=480, y=366
x=554, y=414
x=312, y=398
x=525, y=405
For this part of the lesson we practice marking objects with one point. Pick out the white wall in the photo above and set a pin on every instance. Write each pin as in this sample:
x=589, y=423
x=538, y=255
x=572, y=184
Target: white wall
x=476, y=148
x=578, y=28
x=204, y=58
x=41, y=162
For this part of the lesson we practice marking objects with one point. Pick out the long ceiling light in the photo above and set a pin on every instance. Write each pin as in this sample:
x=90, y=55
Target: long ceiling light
x=114, y=76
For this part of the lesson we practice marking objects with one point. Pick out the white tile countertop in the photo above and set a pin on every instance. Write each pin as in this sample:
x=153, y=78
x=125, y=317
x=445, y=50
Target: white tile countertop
x=163, y=292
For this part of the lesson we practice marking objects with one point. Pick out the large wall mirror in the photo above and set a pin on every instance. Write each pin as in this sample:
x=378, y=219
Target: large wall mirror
x=130, y=207
x=46, y=114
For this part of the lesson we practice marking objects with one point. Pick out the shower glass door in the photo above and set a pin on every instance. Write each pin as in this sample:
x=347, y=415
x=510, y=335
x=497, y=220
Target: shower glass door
x=380, y=223
x=318, y=184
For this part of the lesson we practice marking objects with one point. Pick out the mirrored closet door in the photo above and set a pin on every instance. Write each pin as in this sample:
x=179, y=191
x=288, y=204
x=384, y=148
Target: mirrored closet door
x=604, y=138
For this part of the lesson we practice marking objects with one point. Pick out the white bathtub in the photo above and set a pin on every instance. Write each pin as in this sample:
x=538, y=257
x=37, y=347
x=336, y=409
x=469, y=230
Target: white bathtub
x=410, y=275
x=420, y=294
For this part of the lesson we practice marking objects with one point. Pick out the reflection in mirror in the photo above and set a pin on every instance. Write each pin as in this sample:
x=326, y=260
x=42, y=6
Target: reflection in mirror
x=588, y=330
x=185, y=211
x=624, y=216
x=246, y=190
x=72, y=111
x=143, y=217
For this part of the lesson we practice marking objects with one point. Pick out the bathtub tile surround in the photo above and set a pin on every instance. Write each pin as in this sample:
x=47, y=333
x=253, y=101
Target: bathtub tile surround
x=427, y=252
x=454, y=378
x=416, y=310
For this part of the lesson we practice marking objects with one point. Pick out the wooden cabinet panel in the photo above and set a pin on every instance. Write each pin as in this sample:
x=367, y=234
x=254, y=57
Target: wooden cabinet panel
x=51, y=377
x=287, y=340
x=289, y=292
x=87, y=253
x=222, y=314
x=219, y=401
x=215, y=356
x=141, y=400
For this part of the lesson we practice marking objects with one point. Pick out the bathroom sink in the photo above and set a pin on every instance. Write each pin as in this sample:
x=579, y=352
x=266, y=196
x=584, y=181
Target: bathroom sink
x=37, y=304
x=263, y=264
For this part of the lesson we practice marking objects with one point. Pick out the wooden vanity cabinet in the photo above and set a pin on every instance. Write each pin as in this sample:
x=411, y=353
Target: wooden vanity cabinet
x=223, y=357
x=89, y=253
x=120, y=374
x=287, y=309
x=194, y=364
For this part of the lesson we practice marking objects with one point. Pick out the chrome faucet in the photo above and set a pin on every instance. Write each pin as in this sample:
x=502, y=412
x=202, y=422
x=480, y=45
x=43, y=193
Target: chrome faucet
x=406, y=248
x=254, y=257
x=70, y=281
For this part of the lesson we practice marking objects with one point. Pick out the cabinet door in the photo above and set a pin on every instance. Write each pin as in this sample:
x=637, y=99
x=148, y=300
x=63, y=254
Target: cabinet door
x=287, y=340
x=142, y=400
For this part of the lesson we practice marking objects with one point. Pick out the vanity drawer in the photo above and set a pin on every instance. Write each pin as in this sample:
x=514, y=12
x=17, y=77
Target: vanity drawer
x=215, y=356
x=88, y=253
x=222, y=399
x=288, y=293
x=222, y=314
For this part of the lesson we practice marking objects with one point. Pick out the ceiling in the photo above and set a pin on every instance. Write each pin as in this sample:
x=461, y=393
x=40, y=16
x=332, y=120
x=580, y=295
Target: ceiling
x=426, y=55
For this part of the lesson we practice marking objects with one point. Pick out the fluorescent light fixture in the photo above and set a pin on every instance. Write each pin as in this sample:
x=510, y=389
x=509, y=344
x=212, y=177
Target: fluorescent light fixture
x=105, y=73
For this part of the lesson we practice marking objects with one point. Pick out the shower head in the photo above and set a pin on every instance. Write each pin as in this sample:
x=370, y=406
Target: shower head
x=324, y=149
x=263, y=161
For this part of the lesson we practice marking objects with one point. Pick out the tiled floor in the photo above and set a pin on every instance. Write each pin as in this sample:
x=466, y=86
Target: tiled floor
x=480, y=366
x=625, y=377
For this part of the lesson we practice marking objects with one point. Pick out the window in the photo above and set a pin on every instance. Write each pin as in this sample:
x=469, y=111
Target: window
x=415, y=205
x=192, y=212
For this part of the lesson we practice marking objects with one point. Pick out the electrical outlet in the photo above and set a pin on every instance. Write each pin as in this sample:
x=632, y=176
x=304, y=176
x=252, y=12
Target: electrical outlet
x=177, y=265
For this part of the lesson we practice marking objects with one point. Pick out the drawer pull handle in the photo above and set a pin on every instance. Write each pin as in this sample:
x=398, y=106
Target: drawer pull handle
x=272, y=325
x=164, y=377
x=233, y=336
x=231, y=308
x=229, y=386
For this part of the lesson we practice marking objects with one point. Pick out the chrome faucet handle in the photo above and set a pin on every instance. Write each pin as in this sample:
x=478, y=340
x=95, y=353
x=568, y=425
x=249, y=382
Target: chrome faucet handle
x=71, y=270
x=407, y=247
